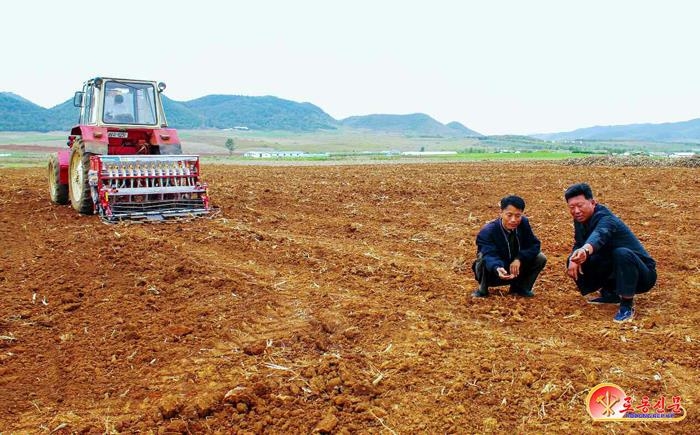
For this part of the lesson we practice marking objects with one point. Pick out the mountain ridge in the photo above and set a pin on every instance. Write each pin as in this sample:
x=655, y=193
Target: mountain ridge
x=662, y=132
x=222, y=111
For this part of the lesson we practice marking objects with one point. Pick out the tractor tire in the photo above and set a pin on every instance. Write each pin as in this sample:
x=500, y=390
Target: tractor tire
x=78, y=186
x=57, y=191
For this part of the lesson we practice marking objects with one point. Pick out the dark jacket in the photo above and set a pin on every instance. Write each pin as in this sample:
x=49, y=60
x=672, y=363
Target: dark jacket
x=605, y=232
x=492, y=243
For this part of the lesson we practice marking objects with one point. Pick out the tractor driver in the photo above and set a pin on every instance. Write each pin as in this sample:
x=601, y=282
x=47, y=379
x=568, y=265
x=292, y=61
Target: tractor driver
x=118, y=110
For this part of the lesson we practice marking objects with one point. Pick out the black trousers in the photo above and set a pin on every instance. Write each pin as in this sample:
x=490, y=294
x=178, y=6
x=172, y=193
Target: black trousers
x=620, y=271
x=529, y=271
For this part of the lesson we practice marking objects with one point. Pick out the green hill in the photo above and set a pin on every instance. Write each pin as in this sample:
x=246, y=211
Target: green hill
x=181, y=116
x=63, y=116
x=259, y=113
x=19, y=114
x=212, y=111
x=416, y=124
x=461, y=128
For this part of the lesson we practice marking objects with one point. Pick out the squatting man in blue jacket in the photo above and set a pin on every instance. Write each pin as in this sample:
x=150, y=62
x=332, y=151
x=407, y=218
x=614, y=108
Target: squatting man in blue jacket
x=606, y=255
x=508, y=252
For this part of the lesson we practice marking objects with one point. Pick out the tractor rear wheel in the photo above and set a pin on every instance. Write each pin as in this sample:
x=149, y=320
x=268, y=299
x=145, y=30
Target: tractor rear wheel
x=78, y=186
x=58, y=191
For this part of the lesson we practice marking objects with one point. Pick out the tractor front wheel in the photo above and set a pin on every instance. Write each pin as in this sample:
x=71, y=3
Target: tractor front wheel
x=78, y=186
x=58, y=191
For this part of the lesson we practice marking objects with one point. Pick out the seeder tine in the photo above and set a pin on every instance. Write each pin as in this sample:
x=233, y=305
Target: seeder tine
x=150, y=188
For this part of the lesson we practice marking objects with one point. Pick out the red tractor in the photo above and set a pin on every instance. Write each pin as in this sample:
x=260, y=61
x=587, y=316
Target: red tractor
x=123, y=161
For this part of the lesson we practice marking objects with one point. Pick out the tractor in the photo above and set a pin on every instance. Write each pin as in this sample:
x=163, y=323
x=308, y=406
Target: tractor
x=122, y=161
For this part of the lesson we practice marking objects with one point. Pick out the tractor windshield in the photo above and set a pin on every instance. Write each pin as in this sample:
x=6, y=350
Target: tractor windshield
x=129, y=103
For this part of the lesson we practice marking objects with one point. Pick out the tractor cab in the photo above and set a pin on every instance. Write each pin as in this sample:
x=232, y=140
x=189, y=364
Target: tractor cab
x=107, y=102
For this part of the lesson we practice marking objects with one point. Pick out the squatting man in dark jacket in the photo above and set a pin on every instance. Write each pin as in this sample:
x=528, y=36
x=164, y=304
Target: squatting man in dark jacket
x=606, y=255
x=508, y=252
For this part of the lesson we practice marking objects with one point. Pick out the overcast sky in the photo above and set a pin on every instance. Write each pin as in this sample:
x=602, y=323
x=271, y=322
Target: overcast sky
x=497, y=66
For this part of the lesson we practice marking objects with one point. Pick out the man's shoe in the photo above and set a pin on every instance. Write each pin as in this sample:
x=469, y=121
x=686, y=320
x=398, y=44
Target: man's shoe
x=479, y=294
x=605, y=298
x=624, y=314
x=523, y=293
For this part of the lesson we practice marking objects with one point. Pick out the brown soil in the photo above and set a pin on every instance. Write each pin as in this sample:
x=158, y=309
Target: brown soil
x=336, y=299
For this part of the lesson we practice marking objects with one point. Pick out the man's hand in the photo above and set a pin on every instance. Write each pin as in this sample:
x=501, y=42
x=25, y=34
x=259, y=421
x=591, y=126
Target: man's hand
x=515, y=268
x=580, y=255
x=503, y=274
x=574, y=269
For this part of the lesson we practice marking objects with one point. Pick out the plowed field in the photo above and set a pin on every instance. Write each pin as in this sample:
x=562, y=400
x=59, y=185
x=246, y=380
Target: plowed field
x=336, y=299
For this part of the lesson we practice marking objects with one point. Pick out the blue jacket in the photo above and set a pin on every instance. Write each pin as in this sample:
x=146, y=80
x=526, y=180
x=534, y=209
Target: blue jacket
x=492, y=242
x=605, y=232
